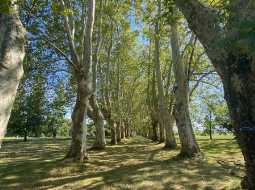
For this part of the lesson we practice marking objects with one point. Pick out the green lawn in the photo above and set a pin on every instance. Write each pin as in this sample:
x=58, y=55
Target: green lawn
x=137, y=163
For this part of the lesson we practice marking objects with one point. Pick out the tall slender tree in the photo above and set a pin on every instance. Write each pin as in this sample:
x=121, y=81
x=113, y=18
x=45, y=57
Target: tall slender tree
x=189, y=146
x=81, y=64
x=98, y=116
x=165, y=120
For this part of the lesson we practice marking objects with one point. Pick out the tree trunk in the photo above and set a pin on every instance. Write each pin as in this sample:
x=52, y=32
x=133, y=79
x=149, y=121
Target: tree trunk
x=210, y=125
x=118, y=131
x=113, y=132
x=54, y=133
x=78, y=149
x=98, y=119
x=154, y=130
x=161, y=131
x=25, y=135
x=100, y=141
x=164, y=119
x=189, y=146
x=126, y=130
x=131, y=133
x=240, y=95
x=170, y=133
x=210, y=131
x=12, y=52
x=122, y=131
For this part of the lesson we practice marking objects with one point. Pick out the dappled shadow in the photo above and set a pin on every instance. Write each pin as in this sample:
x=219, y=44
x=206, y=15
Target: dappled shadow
x=134, y=164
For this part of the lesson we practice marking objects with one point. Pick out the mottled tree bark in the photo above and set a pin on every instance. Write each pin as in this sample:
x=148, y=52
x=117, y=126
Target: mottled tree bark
x=98, y=117
x=113, y=132
x=154, y=130
x=118, y=123
x=118, y=132
x=164, y=119
x=234, y=64
x=169, y=133
x=240, y=95
x=108, y=105
x=78, y=148
x=210, y=125
x=154, y=109
x=122, y=131
x=162, y=135
x=126, y=129
x=189, y=146
x=12, y=39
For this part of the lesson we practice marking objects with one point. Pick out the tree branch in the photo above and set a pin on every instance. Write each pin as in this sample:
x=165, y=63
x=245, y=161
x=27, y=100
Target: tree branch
x=204, y=22
x=59, y=51
x=200, y=80
x=87, y=51
x=69, y=32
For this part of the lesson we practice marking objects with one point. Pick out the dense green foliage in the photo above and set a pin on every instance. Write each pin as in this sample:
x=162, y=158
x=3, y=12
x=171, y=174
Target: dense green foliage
x=125, y=70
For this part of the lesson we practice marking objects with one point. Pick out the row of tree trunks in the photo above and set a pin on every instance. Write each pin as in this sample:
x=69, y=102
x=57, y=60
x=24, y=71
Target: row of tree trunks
x=12, y=52
x=119, y=131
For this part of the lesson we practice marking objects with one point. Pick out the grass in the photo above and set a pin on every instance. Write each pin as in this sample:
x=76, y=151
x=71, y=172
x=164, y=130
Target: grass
x=136, y=163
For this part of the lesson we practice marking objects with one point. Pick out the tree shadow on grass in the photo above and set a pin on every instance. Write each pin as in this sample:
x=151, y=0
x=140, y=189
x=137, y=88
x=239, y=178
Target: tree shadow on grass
x=133, y=164
x=157, y=174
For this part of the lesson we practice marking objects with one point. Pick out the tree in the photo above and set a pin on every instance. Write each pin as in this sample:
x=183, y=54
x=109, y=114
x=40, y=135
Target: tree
x=189, y=146
x=12, y=52
x=166, y=122
x=208, y=125
x=73, y=45
x=97, y=114
x=82, y=73
x=57, y=111
x=36, y=105
x=228, y=45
